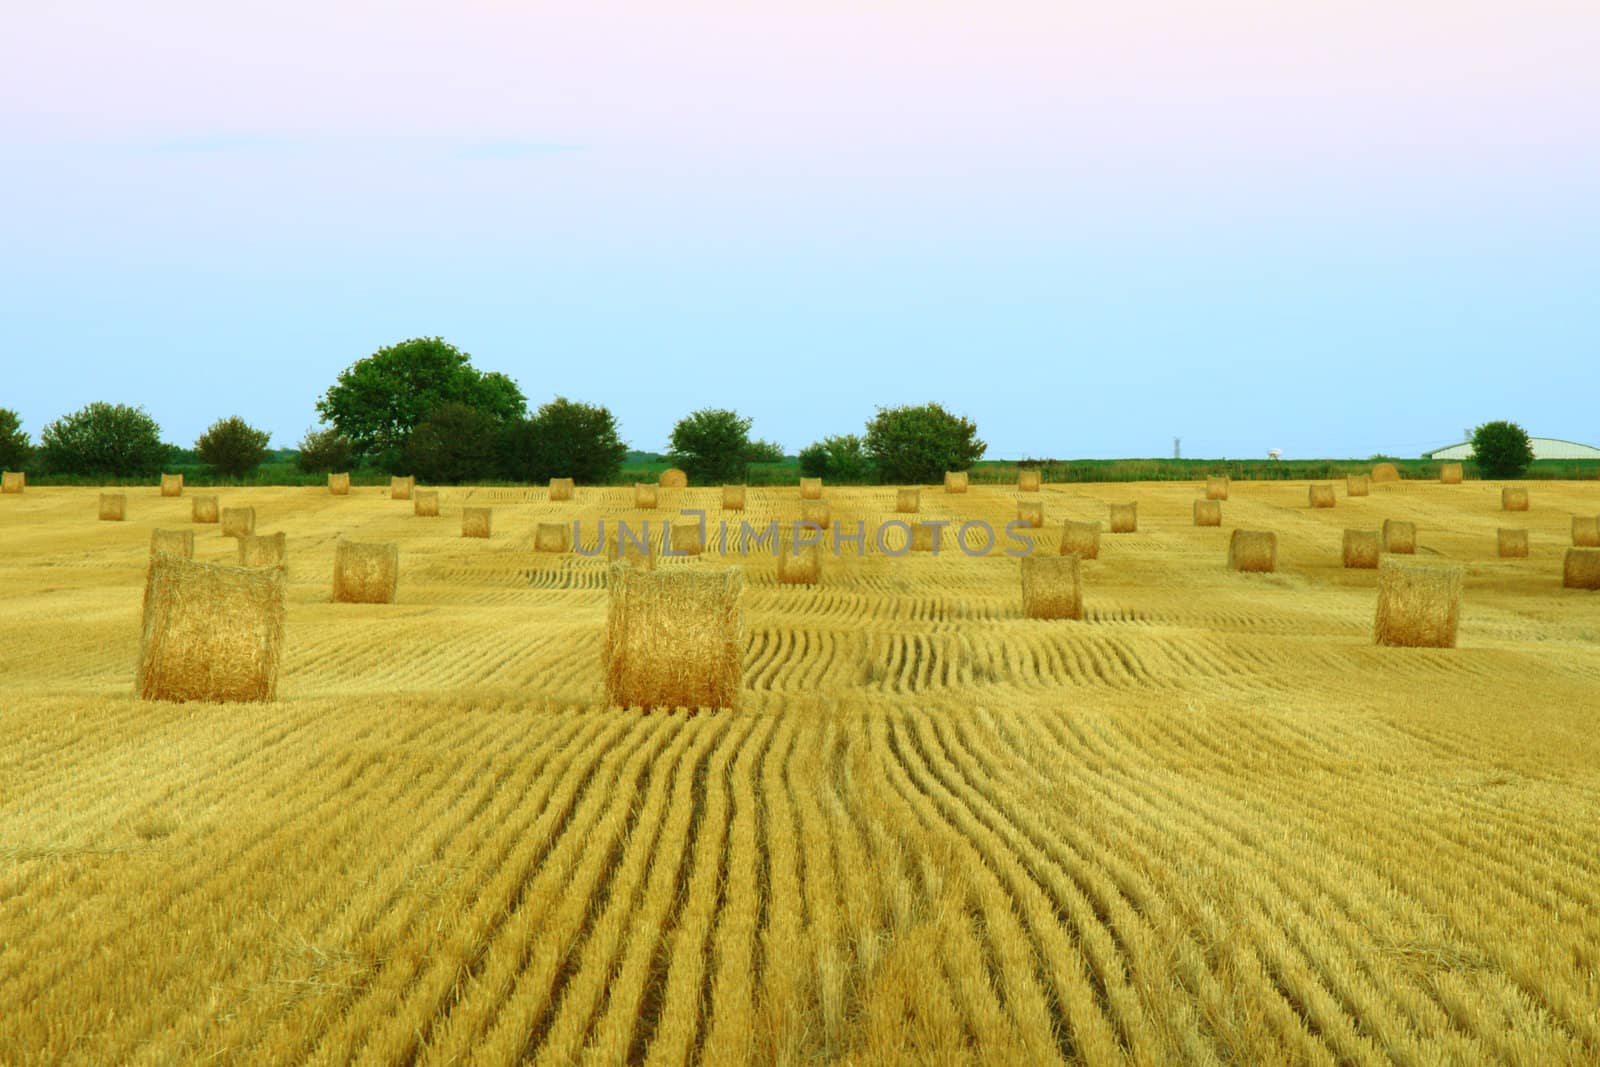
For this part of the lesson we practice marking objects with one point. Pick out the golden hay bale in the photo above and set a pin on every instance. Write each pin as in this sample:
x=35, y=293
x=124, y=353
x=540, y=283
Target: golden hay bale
x=13, y=481
x=816, y=513
x=733, y=498
x=1450, y=473
x=1253, y=550
x=1320, y=496
x=475, y=522
x=1050, y=587
x=810, y=488
x=339, y=484
x=908, y=501
x=265, y=550
x=685, y=538
x=1081, y=539
x=210, y=631
x=172, y=485
x=635, y=551
x=1217, y=488
x=365, y=573
x=1031, y=512
x=1357, y=484
x=173, y=543
x=1513, y=499
x=1028, y=481
x=1385, y=472
x=203, y=508
x=1419, y=604
x=1586, y=531
x=800, y=565
x=1513, y=543
x=925, y=534
x=425, y=503
x=1362, y=548
x=113, y=507
x=552, y=537
x=238, y=522
x=1208, y=512
x=955, y=481
x=673, y=478
x=644, y=496
x=1125, y=518
x=674, y=638
x=1399, y=537
x=562, y=489
x=1581, y=570
x=401, y=488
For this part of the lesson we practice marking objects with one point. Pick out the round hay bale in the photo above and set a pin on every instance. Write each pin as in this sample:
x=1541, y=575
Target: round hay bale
x=1450, y=473
x=365, y=573
x=685, y=538
x=816, y=513
x=673, y=478
x=1125, y=518
x=562, y=489
x=1320, y=496
x=178, y=543
x=1419, y=604
x=634, y=551
x=644, y=496
x=1254, y=551
x=400, y=488
x=1208, y=512
x=425, y=503
x=955, y=481
x=475, y=521
x=263, y=550
x=1217, y=489
x=908, y=501
x=1028, y=480
x=1362, y=549
x=800, y=565
x=203, y=509
x=733, y=497
x=1513, y=499
x=925, y=536
x=552, y=537
x=1513, y=544
x=1031, y=512
x=1051, y=588
x=1385, y=472
x=1357, y=485
x=1399, y=537
x=113, y=507
x=339, y=484
x=810, y=488
x=210, y=632
x=13, y=481
x=238, y=522
x=1081, y=539
x=674, y=638
x=1581, y=569
x=1586, y=531
x=172, y=485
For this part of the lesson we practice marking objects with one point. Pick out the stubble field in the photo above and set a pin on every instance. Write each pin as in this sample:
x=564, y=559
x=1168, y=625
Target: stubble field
x=1211, y=822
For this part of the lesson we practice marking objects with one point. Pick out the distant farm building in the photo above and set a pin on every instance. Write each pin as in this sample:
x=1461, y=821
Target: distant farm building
x=1543, y=448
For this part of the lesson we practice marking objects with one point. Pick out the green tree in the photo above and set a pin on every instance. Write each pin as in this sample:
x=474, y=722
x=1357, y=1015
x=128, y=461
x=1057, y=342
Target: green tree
x=15, y=448
x=1501, y=449
x=325, y=450
x=565, y=439
x=232, y=447
x=917, y=445
x=106, y=440
x=842, y=458
x=764, y=452
x=711, y=445
x=457, y=443
x=378, y=401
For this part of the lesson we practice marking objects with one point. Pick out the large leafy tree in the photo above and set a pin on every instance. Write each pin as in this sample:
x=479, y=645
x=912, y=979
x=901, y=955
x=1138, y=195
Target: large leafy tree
x=842, y=458
x=1502, y=449
x=378, y=401
x=15, y=448
x=457, y=443
x=232, y=447
x=325, y=450
x=917, y=445
x=109, y=440
x=566, y=439
x=711, y=445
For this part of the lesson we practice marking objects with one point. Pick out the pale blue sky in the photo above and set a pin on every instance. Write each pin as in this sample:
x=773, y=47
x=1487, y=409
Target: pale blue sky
x=1337, y=231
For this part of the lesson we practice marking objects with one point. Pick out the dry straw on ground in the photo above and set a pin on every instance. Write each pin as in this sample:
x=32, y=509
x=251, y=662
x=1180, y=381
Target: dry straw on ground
x=1581, y=569
x=1208, y=513
x=1586, y=531
x=955, y=481
x=172, y=485
x=172, y=543
x=13, y=481
x=673, y=478
x=1125, y=518
x=1513, y=544
x=401, y=488
x=799, y=565
x=674, y=638
x=1051, y=588
x=685, y=538
x=1399, y=537
x=1217, y=488
x=562, y=489
x=733, y=498
x=113, y=507
x=1028, y=481
x=365, y=573
x=1385, y=472
x=263, y=550
x=475, y=521
x=925, y=535
x=238, y=522
x=816, y=513
x=339, y=484
x=1513, y=499
x=1357, y=484
x=203, y=509
x=211, y=632
x=636, y=551
x=552, y=537
x=1450, y=473
x=1254, y=551
x=1419, y=604
x=810, y=488
x=1320, y=496
x=908, y=501
x=644, y=496
x=1031, y=513
x=1362, y=549
x=425, y=503
x=1081, y=539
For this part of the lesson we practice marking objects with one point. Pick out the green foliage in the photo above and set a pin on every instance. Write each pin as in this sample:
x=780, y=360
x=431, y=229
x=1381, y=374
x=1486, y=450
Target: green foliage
x=15, y=447
x=104, y=440
x=565, y=439
x=232, y=447
x=917, y=445
x=457, y=443
x=325, y=451
x=1501, y=449
x=712, y=446
x=842, y=458
x=377, y=402
x=764, y=452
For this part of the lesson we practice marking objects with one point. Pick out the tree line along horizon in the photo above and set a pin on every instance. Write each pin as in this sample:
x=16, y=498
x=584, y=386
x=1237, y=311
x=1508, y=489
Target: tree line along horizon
x=420, y=407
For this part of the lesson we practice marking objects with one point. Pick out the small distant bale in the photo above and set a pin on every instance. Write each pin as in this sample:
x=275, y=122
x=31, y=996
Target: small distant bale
x=552, y=537
x=923, y=536
x=1450, y=473
x=203, y=509
x=1385, y=472
x=1419, y=604
x=562, y=489
x=401, y=488
x=365, y=573
x=799, y=565
x=263, y=550
x=685, y=538
x=1254, y=551
x=955, y=481
x=13, y=481
x=644, y=496
x=673, y=478
x=1399, y=537
x=1028, y=480
x=475, y=521
x=810, y=488
x=238, y=522
x=1217, y=488
x=1513, y=543
x=1031, y=512
x=816, y=513
x=1051, y=588
x=1125, y=518
x=1357, y=485
x=1362, y=549
x=908, y=501
x=1320, y=496
x=1586, y=531
x=1581, y=569
x=1081, y=539
x=1512, y=499
x=211, y=632
x=172, y=485
x=733, y=497
x=178, y=543
x=1208, y=512
x=425, y=503
x=339, y=484
x=635, y=553
x=113, y=507
x=674, y=638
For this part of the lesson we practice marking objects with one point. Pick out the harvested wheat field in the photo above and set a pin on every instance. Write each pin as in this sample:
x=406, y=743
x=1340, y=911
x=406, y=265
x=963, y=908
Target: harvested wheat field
x=1209, y=821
